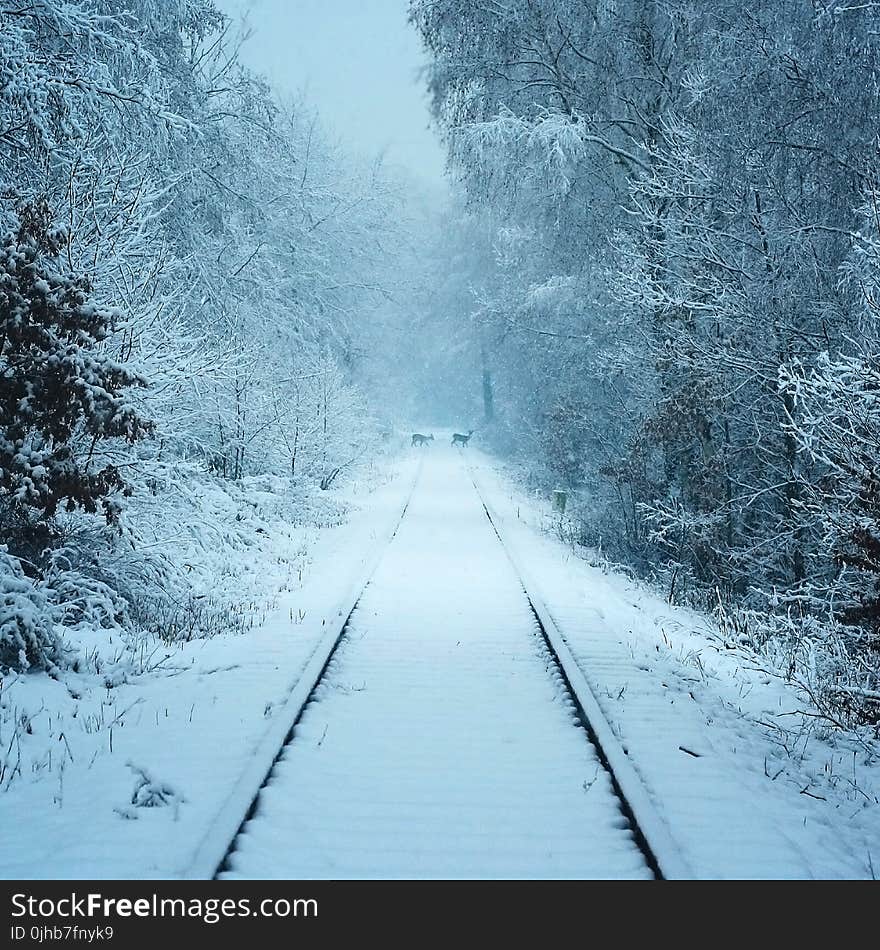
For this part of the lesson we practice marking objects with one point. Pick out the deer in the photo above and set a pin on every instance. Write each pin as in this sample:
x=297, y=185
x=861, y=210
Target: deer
x=459, y=439
x=419, y=439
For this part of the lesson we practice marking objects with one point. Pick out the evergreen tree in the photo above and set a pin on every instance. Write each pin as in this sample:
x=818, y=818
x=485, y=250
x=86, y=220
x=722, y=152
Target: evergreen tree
x=61, y=394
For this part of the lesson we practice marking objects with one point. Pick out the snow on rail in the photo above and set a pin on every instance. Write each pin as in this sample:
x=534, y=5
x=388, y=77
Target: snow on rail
x=442, y=740
x=212, y=851
x=655, y=837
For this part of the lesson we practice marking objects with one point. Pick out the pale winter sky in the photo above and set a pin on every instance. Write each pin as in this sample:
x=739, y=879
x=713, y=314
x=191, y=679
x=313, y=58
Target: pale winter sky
x=358, y=62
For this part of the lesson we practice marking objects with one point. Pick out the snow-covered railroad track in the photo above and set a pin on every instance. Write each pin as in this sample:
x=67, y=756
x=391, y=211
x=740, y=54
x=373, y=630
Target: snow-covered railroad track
x=448, y=733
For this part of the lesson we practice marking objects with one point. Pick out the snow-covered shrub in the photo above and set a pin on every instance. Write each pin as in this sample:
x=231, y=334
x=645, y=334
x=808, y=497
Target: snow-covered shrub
x=833, y=663
x=197, y=554
x=27, y=631
x=41, y=608
x=834, y=420
x=837, y=423
x=79, y=599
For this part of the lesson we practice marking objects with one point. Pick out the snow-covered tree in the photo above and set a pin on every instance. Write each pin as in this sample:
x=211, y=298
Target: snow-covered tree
x=210, y=261
x=683, y=183
x=60, y=394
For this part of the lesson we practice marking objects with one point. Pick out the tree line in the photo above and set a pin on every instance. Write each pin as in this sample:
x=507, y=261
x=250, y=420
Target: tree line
x=184, y=257
x=679, y=200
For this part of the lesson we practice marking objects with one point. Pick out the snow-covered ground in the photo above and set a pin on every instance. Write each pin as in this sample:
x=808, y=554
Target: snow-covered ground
x=125, y=781
x=440, y=741
x=749, y=781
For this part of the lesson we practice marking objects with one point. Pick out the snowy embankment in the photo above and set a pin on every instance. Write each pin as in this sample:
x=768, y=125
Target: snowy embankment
x=120, y=774
x=750, y=780
x=103, y=776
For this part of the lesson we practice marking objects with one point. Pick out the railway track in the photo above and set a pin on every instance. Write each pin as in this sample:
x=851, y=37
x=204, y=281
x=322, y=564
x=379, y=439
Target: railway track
x=442, y=728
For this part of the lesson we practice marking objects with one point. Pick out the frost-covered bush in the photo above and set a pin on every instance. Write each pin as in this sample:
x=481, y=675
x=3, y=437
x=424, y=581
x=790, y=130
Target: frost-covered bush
x=196, y=555
x=40, y=609
x=79, y=599
x=833, y=663
x=27, y=632
x=837, y=423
